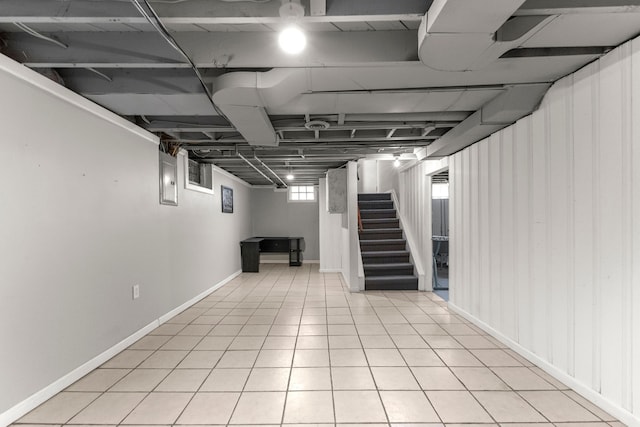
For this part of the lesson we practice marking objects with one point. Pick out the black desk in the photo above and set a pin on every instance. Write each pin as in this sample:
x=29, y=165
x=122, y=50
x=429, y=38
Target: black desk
x=250, y=250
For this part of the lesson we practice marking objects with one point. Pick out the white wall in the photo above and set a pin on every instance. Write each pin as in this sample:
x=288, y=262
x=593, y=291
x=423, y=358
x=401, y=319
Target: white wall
x=80, y=223
x=388, y=178
x=339, y=234
x=415, y=205
x=351, y=260
x=545, y=225
x=367, y=176
x=330, y=234
x=377, y=176
x=273, y=215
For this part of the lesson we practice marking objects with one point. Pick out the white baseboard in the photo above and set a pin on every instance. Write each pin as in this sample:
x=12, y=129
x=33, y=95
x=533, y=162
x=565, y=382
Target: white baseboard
x=33, y=401
x=36, y=399
x=594, y=397
x=286, y=261
x=330, y=270
x=197, y=298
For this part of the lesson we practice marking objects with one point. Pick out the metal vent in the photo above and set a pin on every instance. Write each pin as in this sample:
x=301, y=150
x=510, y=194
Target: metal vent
x=317, y=125
x=440, y=178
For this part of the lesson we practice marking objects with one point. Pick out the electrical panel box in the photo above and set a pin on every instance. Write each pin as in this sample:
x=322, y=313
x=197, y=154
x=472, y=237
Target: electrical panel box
x=168, y=180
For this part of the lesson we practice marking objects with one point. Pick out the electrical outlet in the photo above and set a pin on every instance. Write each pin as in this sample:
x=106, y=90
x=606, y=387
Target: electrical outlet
x=136, y=291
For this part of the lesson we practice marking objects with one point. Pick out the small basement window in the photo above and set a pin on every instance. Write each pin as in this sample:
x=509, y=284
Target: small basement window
x=302, y=193
x=198, y=176
x=440, y=190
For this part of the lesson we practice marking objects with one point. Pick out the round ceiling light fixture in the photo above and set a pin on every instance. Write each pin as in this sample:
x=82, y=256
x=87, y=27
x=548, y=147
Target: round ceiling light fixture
x=396, y=162
x=292, y=40
x=290, y=177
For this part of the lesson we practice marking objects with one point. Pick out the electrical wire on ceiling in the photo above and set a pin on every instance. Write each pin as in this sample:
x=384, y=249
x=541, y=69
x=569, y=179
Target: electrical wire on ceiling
x=264, y=165
x=224, y=1
x=36, y=34
x=99, y=73
x=162, y=30
x=184, y=1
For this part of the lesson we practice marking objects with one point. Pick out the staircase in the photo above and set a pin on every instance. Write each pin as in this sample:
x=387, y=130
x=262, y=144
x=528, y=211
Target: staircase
x=385, y=257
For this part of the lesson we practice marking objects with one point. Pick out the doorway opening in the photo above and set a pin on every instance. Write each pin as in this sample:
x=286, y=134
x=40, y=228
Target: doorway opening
x=440, y=232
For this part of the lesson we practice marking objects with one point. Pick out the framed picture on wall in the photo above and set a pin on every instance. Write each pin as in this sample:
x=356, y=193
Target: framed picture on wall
x=227, y=199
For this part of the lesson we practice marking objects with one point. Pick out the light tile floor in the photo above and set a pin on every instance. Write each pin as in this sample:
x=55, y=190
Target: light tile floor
x=293, y=346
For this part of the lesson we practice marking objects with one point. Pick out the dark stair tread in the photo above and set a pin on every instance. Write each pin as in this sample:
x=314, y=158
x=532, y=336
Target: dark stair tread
x=372, y=232
x=374, y=196
x=375, y=202
x=383, y=253
x=388, y=265
x=385, y=241
x=377, y=247
x=391, y=278
x=378, y=213
x=387, y=223
x=386, y=270
x=403, y=282
x=364, y=237
x=382, y=248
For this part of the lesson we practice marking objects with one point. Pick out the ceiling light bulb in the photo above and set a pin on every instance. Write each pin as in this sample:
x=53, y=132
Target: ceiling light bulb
x=292, y=40
x=396, y=162
x=290, y=177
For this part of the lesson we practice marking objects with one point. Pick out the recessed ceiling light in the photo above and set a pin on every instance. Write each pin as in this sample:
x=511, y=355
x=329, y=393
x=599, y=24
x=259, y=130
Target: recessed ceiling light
x=292, y=40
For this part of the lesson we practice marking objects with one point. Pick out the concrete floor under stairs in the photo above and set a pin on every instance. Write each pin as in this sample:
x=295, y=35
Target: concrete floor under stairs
x=386, y=260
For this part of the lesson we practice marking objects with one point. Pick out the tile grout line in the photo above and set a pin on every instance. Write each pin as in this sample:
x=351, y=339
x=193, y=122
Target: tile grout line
x=252, y=295
x=210, y=372
x=293, y=356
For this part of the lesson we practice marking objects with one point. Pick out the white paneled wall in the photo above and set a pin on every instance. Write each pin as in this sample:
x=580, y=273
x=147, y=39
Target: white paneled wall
x=415, y=204
x=330, y=231
x=545, y=231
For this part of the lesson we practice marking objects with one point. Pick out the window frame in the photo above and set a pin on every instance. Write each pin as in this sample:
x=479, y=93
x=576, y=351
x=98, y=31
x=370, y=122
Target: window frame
x=207, y=169
x=290, y=192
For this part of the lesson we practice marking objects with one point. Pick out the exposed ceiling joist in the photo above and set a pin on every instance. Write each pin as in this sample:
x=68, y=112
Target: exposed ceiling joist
x=345, y=127
x=360, y=79
x=203, y=21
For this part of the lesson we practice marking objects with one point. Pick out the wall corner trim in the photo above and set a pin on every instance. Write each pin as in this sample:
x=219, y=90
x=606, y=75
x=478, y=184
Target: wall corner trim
x=231, y=176
x=39, y=81
x=22, y=408
x=594, y=397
